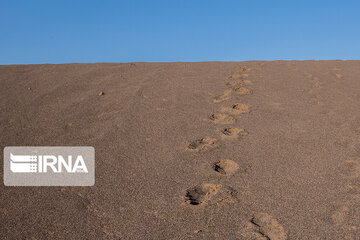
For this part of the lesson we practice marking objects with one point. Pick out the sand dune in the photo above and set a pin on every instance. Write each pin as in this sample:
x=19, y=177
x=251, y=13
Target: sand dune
x=217, y=150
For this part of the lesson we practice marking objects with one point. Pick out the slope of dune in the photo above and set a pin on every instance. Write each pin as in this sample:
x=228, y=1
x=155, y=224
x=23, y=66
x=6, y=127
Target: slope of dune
x=216, y=150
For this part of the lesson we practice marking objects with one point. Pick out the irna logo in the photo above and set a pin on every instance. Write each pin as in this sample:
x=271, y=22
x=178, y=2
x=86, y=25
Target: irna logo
x=49, y=166
x=45, y=163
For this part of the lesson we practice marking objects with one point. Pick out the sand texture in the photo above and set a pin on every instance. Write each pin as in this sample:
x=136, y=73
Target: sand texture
x=217, y=150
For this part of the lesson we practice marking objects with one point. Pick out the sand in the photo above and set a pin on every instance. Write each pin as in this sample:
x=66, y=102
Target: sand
x=217, y=150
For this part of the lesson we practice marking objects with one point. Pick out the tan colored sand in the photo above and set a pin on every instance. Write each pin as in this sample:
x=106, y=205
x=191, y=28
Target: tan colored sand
x=297, y=171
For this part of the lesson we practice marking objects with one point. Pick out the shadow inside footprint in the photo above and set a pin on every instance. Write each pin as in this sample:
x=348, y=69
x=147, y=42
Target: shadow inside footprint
x=201, y=193
x=226, y=167
x=233, y=132
x=221, y=118
x=202, y=144
x=242, y=91
x=240, y=107
x=268, y=226
x=237, y=109
x=209, y=193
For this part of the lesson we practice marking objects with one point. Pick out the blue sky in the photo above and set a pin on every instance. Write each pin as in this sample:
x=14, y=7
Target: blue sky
x=33, y=32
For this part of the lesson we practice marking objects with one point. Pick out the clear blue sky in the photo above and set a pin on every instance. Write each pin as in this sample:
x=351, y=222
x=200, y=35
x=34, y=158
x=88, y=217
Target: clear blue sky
x=166, y=31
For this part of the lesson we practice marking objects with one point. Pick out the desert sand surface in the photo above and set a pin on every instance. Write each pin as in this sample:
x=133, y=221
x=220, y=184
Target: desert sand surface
x=213, y=150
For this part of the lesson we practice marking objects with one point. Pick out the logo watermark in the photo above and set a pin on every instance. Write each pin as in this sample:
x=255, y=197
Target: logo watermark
x=49, y=166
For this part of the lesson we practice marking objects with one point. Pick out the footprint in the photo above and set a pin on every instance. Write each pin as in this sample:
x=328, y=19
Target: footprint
x=222, y=97
x=209, y=193
x=239, y=83
x=201, y=193
x=244, y=69
x=249, y=233
x=316, y=83
x=338, y=75
x=226, y=167
x=221, y=118
x=350, y=169
x=356, y=146
x=202, y=144
x=339, y=216
x=242, y=90
x=236, y=109
x=268, y=226
x=353, y=189
x=239, y=75
x=308, y=75
x=315, y=99
x=247, y=82
x=252, y=236
x=235, y=84
x=277, y=105
x=233, y=133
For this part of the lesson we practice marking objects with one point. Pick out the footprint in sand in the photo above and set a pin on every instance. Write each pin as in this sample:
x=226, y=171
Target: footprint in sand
x=221, y=118
x=242, y=91
x=349, y=169
x=338, y=75
x=339, y=216
x=239, y=83
x=225, y=167
x=353, y=188
x=316, y=83
x=239, y=75
x=233, y=133
x=356, y=145
x=235, y=84
x=222, y=97
x=268, y=226
x=308, y=75
x=247, y=82
x=249, y=233
x=244, y=69
x=209, y=193
x=236, y=109
x=202, y=144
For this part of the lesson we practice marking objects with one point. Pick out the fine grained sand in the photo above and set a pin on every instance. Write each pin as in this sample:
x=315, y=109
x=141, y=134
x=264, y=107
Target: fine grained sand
x=240, y=150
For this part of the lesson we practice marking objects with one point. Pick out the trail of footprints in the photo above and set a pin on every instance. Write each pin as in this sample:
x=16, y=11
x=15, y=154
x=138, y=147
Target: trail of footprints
x=314, y=91
x=348, y=170
x=261, y=225
x=317, y=85
x=341, y=217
